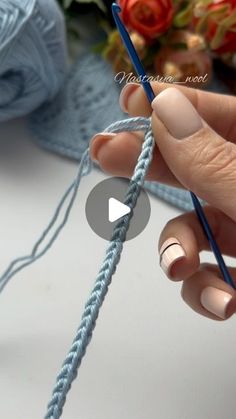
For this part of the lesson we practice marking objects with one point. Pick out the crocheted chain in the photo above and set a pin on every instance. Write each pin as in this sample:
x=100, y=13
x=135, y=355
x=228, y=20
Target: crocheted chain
x=84, y=334
x=52, y=231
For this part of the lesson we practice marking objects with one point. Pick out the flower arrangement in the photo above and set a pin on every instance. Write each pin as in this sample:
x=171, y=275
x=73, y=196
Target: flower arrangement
x=174, y=38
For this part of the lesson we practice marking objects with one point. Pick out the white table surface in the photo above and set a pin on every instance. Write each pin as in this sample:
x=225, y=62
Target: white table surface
x=150, y=357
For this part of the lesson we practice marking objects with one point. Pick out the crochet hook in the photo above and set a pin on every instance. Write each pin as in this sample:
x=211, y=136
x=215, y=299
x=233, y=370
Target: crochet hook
x=116, y=9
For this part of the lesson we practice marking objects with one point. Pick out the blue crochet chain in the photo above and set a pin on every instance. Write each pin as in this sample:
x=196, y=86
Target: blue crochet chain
x=91, y=311
x=103, y=280
x=83, y=336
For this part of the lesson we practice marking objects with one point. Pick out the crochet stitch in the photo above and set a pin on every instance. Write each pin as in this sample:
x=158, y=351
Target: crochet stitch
x=83, y=336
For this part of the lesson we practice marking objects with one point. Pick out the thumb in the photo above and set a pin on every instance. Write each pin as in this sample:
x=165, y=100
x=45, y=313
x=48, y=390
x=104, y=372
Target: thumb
x=200, y=159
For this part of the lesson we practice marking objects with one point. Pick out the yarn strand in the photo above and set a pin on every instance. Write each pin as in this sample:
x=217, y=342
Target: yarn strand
x=84, y=168
x=24, y=261
x=84, y=333
x=83, y=336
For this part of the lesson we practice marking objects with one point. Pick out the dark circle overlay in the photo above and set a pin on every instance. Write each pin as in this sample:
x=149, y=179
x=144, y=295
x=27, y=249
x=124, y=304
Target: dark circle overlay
x=97, y=208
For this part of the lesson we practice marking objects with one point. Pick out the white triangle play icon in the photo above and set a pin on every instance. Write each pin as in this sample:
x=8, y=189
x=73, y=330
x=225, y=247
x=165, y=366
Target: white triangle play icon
x=117, y=210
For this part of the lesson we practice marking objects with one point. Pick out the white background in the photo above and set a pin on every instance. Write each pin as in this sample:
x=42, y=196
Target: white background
x=150, y=357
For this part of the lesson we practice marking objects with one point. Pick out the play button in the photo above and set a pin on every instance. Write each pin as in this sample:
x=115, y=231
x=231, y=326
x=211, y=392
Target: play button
x=117, y=210
x=105, y=207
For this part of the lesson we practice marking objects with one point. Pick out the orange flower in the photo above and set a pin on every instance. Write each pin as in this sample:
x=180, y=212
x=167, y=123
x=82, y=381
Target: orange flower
x=149, y=18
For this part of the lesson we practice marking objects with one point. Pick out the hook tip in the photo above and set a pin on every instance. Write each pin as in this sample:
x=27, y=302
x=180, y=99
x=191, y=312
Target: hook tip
x=116, y=8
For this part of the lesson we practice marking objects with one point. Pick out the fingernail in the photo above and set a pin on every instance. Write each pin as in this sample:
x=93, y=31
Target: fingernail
x=170, y=252
x=125, y=95
x=97, y=142
x=177, y=113
x=215, y=301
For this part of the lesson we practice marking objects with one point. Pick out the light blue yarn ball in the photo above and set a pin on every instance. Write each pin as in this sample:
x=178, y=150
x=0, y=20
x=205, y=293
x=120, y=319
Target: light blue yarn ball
x=32, y=55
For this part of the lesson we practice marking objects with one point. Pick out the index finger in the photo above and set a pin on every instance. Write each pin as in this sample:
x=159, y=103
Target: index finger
x=218, y=110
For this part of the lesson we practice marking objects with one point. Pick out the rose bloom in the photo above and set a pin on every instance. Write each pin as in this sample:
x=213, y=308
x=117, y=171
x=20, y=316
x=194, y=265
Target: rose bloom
x=149, y=18
x=226, y=41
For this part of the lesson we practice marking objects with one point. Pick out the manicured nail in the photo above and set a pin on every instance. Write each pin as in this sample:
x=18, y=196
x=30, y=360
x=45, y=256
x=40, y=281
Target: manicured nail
x=215, y=301
x=177, y=113
x=125, y=95
x=170, y=252
x=97, y=142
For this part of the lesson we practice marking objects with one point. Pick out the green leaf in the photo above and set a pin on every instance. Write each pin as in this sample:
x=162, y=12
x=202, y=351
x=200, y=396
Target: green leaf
x=67, y=3
x=99, y=48
x=218, y=14
x=105, y=25
x=224, y=26
x=204, y=3
x=180, y=46
x=99, y=3
x=229, y=20
x=184, y=17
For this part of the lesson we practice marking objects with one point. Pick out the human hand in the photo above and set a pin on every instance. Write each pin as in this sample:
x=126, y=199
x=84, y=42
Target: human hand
x=195, y=134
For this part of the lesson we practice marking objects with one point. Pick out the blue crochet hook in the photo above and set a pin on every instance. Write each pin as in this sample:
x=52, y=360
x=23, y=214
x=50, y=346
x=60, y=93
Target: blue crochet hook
x=116, y=9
